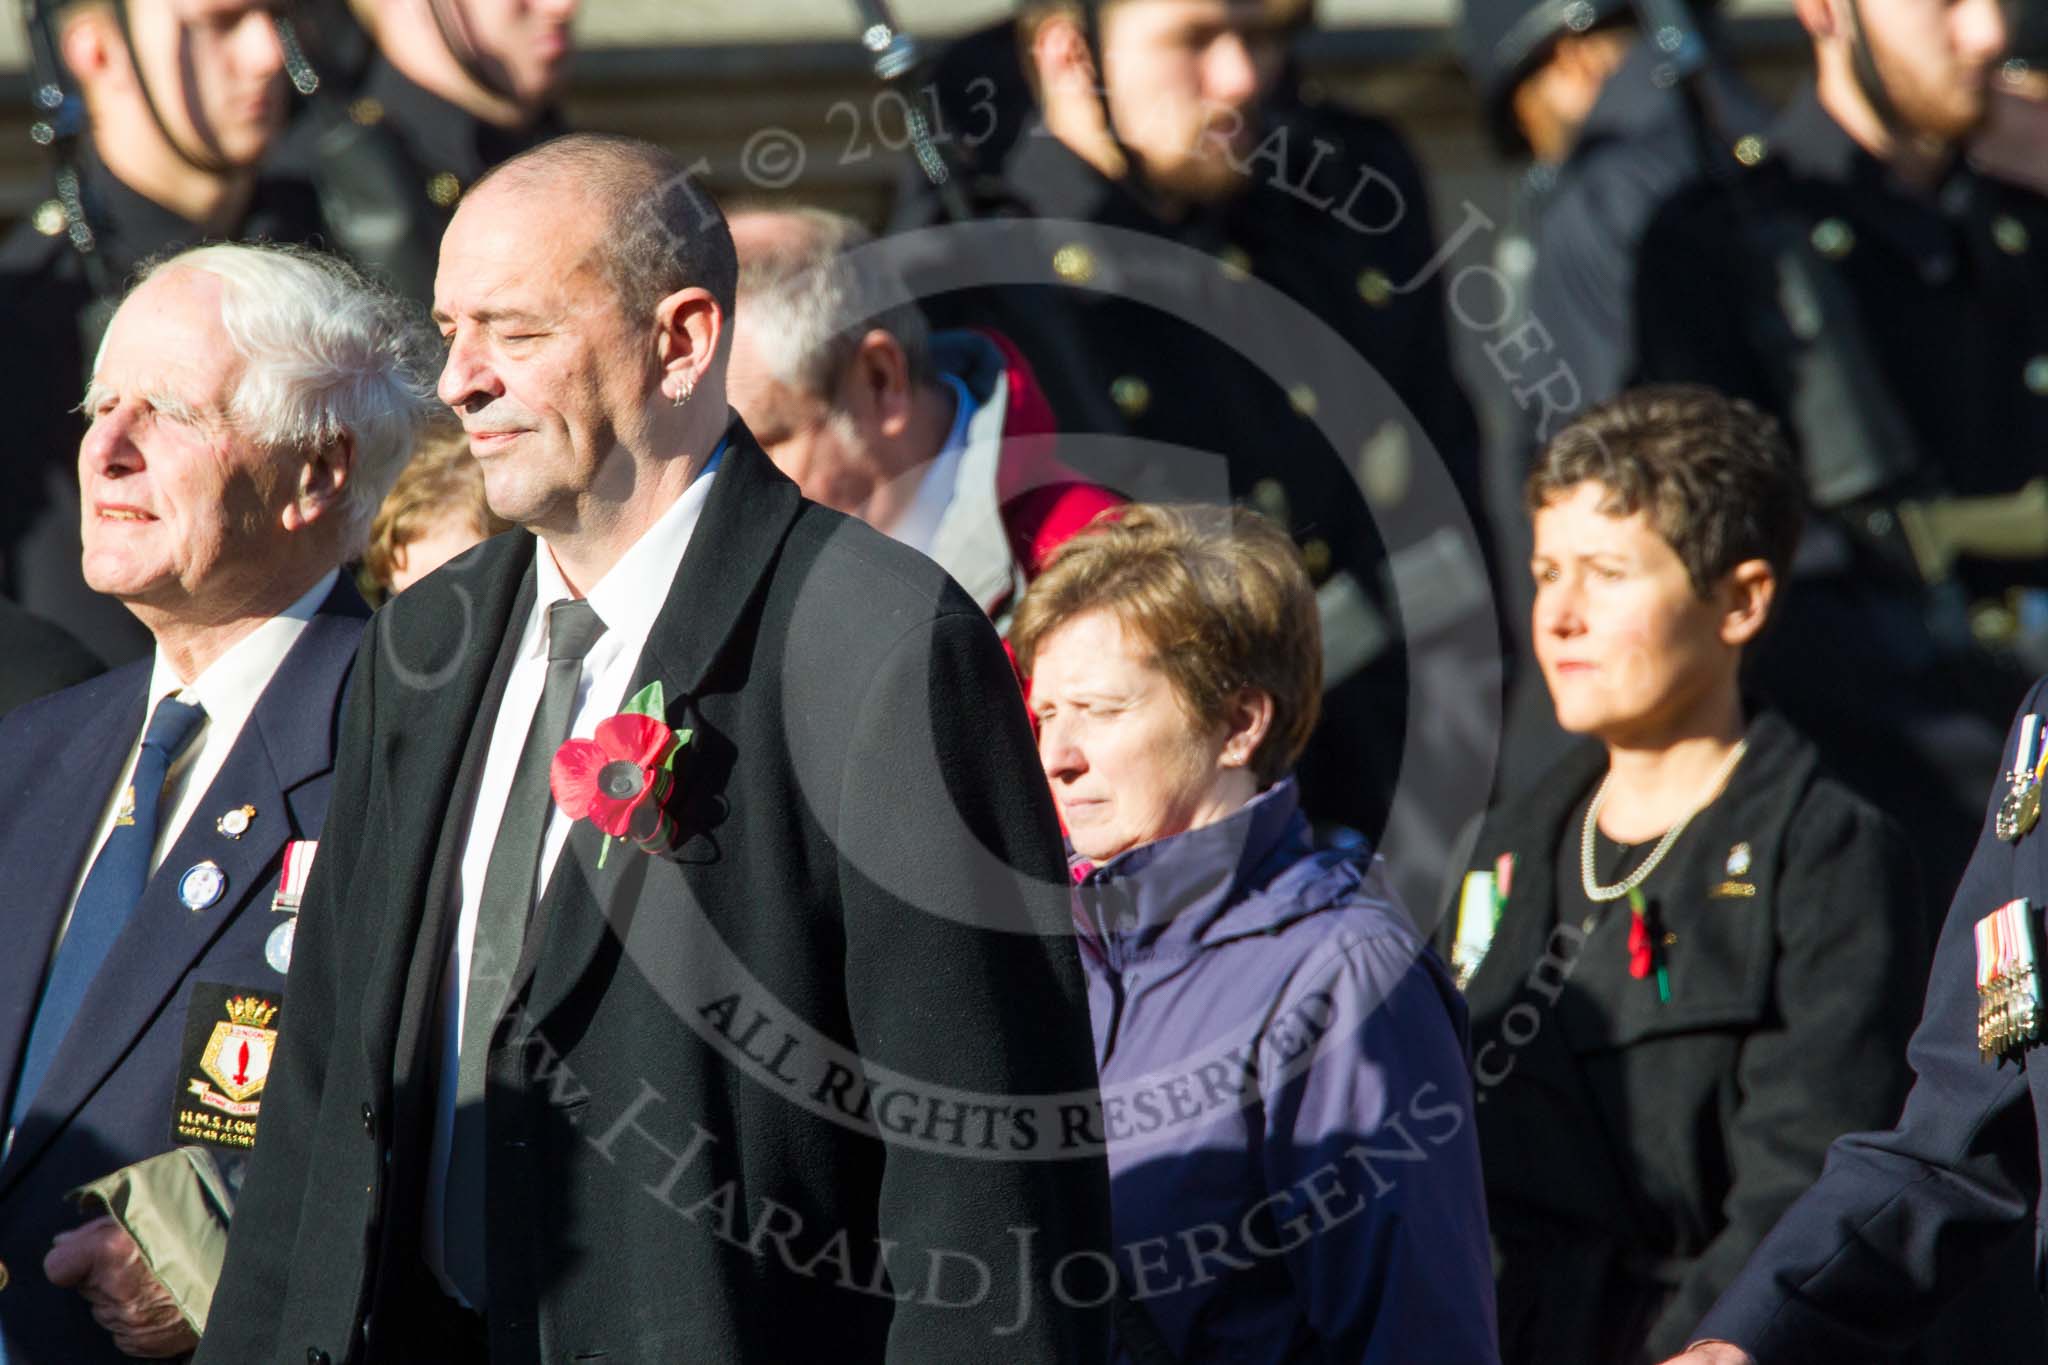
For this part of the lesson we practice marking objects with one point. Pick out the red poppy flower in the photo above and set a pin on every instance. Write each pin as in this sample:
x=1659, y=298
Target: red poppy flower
x=611, y=779
x=1642, y=953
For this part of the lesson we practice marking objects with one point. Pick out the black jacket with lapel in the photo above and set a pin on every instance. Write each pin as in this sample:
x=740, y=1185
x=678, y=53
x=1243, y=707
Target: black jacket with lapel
x=112, y=1088
x=1636, y=1149
x=681, y=1168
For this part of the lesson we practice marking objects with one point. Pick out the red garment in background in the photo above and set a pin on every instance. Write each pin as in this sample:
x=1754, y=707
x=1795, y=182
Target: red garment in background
x=1044, y=502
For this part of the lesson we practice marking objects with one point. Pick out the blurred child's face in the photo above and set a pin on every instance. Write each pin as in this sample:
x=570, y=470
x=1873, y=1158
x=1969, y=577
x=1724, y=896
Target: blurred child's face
x=444, y=538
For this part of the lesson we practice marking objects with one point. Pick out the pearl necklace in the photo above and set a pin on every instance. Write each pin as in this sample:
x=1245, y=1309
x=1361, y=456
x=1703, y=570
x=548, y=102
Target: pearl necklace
x=1598, y=893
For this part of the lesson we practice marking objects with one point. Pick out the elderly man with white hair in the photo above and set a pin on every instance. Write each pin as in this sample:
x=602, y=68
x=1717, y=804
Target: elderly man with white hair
x=249, y=407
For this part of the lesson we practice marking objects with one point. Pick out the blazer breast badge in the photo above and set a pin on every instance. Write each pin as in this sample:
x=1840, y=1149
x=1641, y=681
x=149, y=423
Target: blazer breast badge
x=230, y=1039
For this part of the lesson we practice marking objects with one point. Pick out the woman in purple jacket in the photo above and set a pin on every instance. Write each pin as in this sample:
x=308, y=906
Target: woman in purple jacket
x=1285, y=1096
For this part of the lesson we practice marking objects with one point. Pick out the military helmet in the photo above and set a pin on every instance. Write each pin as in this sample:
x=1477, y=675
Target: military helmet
x=1286, y=14
x=1502, y=41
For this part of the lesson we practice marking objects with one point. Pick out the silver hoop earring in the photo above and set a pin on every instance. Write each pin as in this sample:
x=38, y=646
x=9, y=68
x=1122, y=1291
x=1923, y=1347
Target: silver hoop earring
x=683, y=393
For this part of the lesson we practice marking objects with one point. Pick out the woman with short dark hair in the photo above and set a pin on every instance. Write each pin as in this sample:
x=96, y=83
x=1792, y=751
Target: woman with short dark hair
x=1284, y=1091
x=1692, y=959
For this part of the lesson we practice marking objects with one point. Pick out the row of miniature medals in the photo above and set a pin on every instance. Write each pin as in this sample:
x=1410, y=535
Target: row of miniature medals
x=2008, y=985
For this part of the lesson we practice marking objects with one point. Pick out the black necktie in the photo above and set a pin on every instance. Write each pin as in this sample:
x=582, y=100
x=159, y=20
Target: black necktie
x=502, y=912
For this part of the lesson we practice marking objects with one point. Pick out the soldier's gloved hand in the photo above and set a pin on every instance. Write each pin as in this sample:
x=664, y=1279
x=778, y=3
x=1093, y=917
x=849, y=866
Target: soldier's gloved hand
x=1713, y=1353
x=100, y=1260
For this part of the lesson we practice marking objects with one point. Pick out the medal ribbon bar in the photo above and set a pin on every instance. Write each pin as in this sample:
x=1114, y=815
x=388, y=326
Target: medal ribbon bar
x=2008, y=984
x=298, y=866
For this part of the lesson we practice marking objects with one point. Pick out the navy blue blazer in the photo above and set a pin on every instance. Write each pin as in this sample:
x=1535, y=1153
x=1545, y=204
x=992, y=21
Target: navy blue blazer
x=1900, y=1221
x=112, y=1092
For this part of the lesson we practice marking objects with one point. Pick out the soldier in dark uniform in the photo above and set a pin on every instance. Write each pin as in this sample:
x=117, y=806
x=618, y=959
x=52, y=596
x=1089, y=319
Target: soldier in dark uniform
x=1202, y=142
x=1890, y=303
x=412, y=113
x=1572, y=86
x=179, y=112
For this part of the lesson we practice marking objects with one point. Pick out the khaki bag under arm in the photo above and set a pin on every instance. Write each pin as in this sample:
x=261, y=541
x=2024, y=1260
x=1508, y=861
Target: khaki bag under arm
x=176, y=1206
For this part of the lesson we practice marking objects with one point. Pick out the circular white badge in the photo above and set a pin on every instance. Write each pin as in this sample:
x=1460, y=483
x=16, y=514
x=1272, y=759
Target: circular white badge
x=201, y=885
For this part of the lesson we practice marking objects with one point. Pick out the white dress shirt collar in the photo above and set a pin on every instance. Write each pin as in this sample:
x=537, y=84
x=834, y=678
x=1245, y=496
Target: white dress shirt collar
x=232, y=684
x=938, y=477
x=631, y=594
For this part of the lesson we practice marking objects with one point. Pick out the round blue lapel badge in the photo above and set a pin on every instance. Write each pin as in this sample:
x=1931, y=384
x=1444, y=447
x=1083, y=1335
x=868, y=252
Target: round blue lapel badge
x=201, y=885
x=277, y=949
